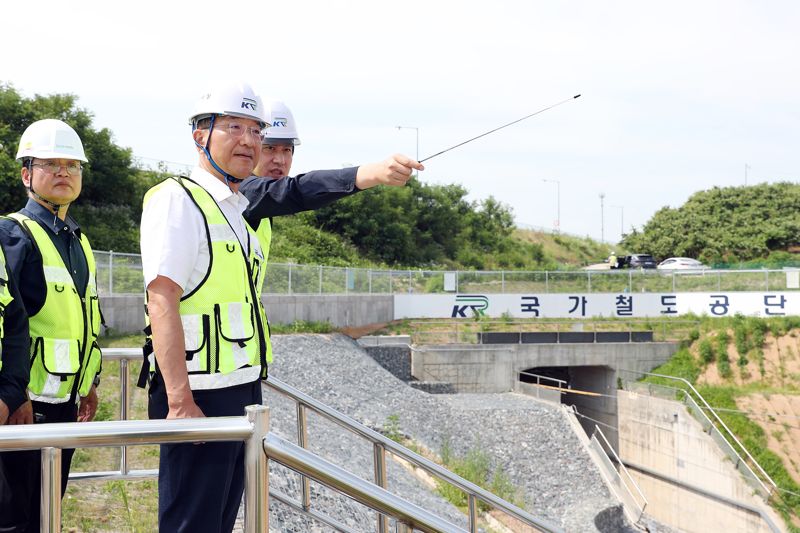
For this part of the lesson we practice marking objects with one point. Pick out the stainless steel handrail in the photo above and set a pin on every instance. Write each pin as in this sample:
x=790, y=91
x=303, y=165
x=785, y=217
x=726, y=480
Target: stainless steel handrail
x=306, y=463
x=376, y=438
x=727, y=429
x=610, y=449
x=51, y=438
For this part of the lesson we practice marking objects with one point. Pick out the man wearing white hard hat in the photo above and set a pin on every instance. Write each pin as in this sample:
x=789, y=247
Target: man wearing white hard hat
x=269, y=197
x=51, y=261
x=208, y=338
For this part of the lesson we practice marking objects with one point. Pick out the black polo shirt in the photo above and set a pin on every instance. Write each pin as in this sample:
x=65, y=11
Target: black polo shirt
x=25, y=261
x=16, y=352
x=272, y=197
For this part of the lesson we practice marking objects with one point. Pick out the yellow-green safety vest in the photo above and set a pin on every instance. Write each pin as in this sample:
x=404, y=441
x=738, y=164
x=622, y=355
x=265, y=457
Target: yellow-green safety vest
x=5, y=298
x=225, y=328
x=264, y=233
x=64, y=349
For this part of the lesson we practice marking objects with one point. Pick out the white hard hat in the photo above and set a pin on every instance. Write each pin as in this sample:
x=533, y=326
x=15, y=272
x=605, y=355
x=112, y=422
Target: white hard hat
x=280, y=123
x=50, y=139
x=235, y=99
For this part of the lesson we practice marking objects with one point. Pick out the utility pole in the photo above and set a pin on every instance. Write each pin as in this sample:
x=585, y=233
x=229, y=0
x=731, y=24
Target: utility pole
x=602, y=219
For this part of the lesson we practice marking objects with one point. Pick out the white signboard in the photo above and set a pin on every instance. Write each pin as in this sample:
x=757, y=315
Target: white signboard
x=622, y=305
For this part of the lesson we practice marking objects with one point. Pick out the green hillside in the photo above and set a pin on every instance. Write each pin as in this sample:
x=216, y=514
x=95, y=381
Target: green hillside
x=725, y=225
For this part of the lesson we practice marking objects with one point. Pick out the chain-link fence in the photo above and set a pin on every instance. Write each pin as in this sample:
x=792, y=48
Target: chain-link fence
x=119, y=273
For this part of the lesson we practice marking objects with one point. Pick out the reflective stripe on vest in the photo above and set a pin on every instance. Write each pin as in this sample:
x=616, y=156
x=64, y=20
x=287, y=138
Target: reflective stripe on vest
x=224, y=324
x=264, y=234
x=5, y=299
x=64, y=331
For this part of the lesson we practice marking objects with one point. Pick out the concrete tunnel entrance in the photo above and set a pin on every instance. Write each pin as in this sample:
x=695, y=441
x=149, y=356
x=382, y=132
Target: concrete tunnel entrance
x=595, y=396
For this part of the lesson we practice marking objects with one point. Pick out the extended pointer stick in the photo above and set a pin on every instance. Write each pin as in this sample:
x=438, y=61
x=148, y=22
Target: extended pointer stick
x=501, y=127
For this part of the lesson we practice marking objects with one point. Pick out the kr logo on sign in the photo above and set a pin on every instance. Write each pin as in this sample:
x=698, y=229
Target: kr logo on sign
x=477, y=303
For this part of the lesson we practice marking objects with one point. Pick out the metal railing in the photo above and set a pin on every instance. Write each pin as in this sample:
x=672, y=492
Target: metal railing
x=621, y=479
x=761, y=482
x=52, y=438
x=121, y=273
x=260, y=446
x=470, y=331
x=380, y=443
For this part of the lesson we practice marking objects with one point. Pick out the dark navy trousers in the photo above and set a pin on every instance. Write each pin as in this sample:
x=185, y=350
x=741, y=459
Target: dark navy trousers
x=200, y=486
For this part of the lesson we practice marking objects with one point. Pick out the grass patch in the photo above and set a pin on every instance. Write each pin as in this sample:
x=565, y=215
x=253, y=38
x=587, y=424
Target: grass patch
x=301, y=326
x=475, y=466
x=98, y=505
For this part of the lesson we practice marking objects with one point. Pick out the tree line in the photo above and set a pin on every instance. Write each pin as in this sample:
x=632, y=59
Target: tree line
x=420, y=225
x=725, y=225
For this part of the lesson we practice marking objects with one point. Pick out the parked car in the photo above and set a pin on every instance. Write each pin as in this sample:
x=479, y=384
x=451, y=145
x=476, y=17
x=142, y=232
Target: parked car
x=638, y=261
x=681, y=263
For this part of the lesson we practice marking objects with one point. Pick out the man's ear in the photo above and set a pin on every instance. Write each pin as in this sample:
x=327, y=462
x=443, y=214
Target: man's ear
x=26, y=177
x=200, y=137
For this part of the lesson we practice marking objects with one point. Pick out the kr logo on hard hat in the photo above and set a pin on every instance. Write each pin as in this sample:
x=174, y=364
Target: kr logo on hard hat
x=248, y=103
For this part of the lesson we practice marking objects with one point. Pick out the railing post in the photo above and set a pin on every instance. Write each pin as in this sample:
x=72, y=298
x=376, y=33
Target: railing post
x=546, y=281
x=123, y=411
x=379, y=455
x=391, y=291
x=50, y=509
x=256, y=472
x=456, y=281
x=588, y=282
x=290, y=278
x=320, y=279
x=630, y=281
x=111, y=272
x=473, y=514
x=369, y=277
x=302, y=441
x=673, y=281
x=503, y=281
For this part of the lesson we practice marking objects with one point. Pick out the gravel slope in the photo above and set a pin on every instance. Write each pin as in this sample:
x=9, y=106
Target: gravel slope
x=531, y=441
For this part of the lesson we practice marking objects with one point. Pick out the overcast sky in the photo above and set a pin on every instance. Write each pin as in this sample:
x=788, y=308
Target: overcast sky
x=676, y=97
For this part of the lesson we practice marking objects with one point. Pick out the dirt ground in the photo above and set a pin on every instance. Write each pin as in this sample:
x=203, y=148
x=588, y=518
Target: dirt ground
x=778, y=414
x=781, y=364
x=781, y=423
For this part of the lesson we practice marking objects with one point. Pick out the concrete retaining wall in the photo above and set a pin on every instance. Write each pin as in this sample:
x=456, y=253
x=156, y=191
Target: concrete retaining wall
x=124, y=313
x=661, y=436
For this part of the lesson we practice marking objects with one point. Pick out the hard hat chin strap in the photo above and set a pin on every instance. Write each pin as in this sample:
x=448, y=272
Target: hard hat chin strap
x=228, y=178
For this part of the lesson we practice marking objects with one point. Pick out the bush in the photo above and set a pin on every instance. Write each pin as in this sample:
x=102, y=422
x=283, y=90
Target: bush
x=706, y=351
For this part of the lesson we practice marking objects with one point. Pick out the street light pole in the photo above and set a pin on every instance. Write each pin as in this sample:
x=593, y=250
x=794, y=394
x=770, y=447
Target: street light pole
x=416, y=130
x=558, y=203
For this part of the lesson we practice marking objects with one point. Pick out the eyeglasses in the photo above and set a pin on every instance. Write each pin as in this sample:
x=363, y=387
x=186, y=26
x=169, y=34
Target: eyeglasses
x=51, y=167
x=236, y=130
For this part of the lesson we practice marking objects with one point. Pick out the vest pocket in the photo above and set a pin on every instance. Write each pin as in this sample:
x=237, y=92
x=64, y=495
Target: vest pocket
x=54, y=364
x=235, y=322
x=59, y=357
x=196, y=330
